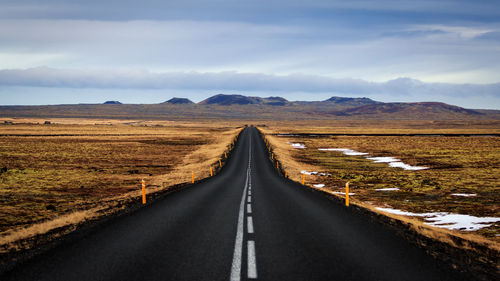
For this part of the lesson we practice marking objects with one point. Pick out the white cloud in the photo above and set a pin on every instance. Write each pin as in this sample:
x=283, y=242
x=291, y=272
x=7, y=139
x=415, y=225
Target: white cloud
x=463, y=32
x=235, y=81
x=213, y=46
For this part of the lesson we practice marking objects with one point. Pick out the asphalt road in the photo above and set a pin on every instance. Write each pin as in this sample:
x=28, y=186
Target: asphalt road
x=244, y=223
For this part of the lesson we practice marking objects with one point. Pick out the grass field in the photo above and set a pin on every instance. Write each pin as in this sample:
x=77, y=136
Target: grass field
x=80, y=169
x=463, y=172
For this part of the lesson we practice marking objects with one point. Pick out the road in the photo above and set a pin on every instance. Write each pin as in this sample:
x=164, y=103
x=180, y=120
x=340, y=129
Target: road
x=244, y=223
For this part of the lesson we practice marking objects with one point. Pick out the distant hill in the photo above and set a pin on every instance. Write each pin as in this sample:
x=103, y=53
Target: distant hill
x=417, y=110
x=246, y=108
x=243, y=100
x=230, y=100
x=179, y=101
x=351, y=101
x=112, y=102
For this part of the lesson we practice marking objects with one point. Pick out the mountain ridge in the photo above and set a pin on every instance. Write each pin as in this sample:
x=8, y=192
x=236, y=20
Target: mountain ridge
x=272, y=108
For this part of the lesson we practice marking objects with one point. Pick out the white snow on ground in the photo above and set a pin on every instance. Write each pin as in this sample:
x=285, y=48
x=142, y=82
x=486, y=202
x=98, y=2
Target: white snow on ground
x=314, y=173
x=383, y=159
x=346, y=151
x=464, y=194
x=298, y=145
x=318, y=185
x=387, y=189
x=393, y=162
x=448, y=220
x=406, y=166
x=342, y=193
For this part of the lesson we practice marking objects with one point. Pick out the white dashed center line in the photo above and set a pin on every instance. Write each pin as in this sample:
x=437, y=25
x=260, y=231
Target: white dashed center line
x=249, y=224
x=238, y=244
x=252, y=263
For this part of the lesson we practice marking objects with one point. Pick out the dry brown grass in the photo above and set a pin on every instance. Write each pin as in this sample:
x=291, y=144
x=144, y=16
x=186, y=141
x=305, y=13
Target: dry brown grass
x=383, y=127
x=340, y=166
x=87, y=171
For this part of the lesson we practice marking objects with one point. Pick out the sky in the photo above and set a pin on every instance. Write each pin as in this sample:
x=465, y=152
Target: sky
x=148, y=51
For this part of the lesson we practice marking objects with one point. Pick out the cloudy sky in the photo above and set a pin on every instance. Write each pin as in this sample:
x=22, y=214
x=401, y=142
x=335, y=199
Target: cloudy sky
x=62, y=51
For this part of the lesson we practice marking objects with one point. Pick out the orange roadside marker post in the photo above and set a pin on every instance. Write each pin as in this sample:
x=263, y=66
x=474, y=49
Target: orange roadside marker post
x=347, y=194
x=286, y=173
x=278, y=165
x=211, y=172
x=220, y=163
x=143, y=192
x=303, y=178
x=192, y=177
x=225, y=155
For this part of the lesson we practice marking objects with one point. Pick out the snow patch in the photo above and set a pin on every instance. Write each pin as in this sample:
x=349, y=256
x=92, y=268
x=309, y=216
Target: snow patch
x=383, y=159
x=298, y=145
x=406, y=166
x=346, y=151
x=448, y=220
x=315, y=173
x=464, y=194
x=393, y=162
x=318, y=185
x=387, y=189
x=342, y=193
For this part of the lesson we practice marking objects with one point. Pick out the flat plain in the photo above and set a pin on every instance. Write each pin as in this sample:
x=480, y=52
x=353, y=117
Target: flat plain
x=60, y=174
x=449, y=167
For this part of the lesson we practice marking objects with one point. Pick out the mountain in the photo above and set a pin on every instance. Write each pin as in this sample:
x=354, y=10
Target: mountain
x=230, y=100
x=243, y=100
x=409, y=110
x=354, y=102
x=112, y=102
x=179, y=101
x=239, y=107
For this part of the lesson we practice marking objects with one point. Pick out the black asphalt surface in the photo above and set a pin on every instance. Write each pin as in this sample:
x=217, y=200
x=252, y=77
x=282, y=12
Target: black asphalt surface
x=192, y=234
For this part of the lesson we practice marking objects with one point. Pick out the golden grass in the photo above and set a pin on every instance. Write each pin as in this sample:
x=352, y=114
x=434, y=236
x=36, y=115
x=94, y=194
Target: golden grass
x=475, y=153
x=88, y=171
x=382, y=127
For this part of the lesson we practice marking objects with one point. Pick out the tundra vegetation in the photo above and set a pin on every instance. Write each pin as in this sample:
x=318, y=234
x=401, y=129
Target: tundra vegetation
x=463, y=172
x=58, y=174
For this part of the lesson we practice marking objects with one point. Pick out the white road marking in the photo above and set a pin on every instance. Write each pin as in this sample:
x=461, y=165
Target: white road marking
x=252, y=264
x=249, y=199
x=249, y=208
x=250, y=192
x=249, y=224
x=238, y=244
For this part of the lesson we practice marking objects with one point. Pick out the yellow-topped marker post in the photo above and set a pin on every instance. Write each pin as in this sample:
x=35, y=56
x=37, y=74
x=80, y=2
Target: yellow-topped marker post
x=347, y=194
x=143, y=192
